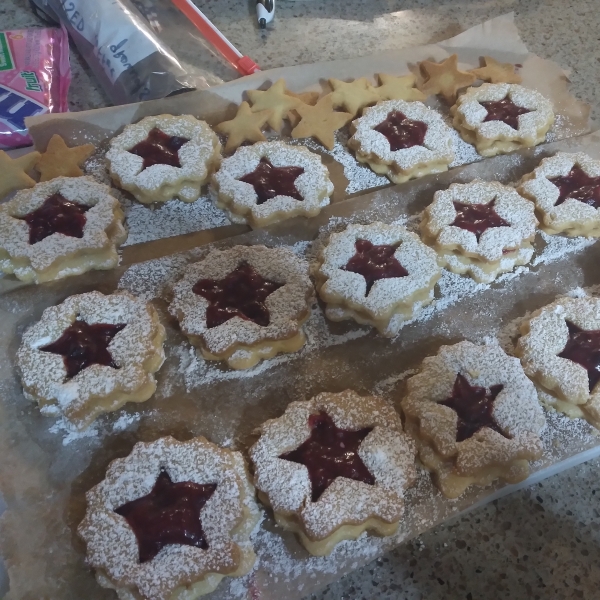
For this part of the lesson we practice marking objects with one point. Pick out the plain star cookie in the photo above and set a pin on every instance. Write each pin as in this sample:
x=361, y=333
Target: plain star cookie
x=61, y=161
x=474, y=416
x=498, y=118
x=566, y=191
x=402, y=140
x=497, y=72
x=244, y=304
x=377, y=274
x=353, y=96
x=62, y=227
x=560, y=352
x=13, y=172
x=444, y=78
x=277, y=99
x=482, y=228
x=398, y=88
x=170, y=521
x=333, y=467
x=90, y=355
x=270, y=182
x=246, y=126
x=164, y=157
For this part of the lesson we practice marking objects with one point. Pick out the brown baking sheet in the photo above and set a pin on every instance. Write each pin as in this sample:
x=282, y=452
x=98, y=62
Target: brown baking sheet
x=47, y=468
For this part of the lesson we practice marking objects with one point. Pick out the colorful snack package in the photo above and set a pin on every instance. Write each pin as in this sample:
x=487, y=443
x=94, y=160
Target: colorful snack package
x=35, y=74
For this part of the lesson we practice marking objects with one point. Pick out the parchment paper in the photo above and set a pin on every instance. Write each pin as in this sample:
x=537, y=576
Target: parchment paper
x=497, y=37
x=46, y=469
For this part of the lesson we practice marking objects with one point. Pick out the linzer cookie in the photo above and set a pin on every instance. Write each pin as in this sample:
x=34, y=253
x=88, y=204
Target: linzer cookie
x=480, y=228
x=334, y=467
x=164, y=157
x=62, y=227
x=271, y=181
x=379, y=275
x=501, y=117
x=171, y=520
x=474, y=416
x=566, y=191
x=402, y=140
x=90, y=355
x=244, y=304
x=560, y=352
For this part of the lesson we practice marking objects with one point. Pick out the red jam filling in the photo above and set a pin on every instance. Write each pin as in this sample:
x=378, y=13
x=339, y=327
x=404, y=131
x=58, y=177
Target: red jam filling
x=82, y=345
x=269, y=181
x=583, y=348
x=474, y=406
x=56, y=215
x=476, y=218
x=402, y=132
x=329, y=453
x=241, y=294
x=159, y=149
x=504, y=110
x=579, y=186
x=169, y=514
x=375, y=262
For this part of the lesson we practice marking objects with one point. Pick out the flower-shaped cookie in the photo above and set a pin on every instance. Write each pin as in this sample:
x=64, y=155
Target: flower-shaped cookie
x=560, y=352
x=402, y=140
x=482, y=228
x=244, y=304
x=170, y=520
x=270, y=182
x=65, y=226
x=91, y=354
x=501, y=117
x=376, y=274
x=566, y=191
x=475, y=417
x=164, y=157
x=334, y=466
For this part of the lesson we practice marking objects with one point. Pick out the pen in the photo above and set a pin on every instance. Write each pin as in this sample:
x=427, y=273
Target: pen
x=265, y=10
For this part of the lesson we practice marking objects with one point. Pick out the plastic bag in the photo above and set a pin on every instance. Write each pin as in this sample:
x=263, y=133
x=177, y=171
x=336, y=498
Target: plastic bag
x=34, y=79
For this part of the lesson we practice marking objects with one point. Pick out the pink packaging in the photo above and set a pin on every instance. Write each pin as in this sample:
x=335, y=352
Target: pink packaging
x=35, y=74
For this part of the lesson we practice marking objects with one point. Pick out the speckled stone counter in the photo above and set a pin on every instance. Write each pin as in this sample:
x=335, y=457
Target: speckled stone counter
x=540, y=543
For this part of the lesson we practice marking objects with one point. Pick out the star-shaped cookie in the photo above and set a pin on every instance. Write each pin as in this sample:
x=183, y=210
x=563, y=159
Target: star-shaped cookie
x=275, y=99
x=398, y=88
x=444, y=78
x=13, y=172
x=320, y=121
x=244, y=127
x=353, y=96
x=497, y=72
x=61, y=161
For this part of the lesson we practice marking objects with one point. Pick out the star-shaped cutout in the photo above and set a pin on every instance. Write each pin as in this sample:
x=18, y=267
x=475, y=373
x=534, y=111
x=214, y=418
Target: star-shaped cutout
x=244, y=127
x=583, y=348
x=504, y=110
x=444, y=78
x=497, y=72
x=242, y=294
x=353, y=96
x=269, y=181
x=474, y=406
x=276, y=99
x=82, y=345
x=61, y=161
x=398, y=88
x=476, y=218
x=375, y=262
x=330, y=453
x=169, y=514
x=579, y=186
x=159, y=148
x=402, y=132
x=320, y=121
x=13, y=172
x=56, y=215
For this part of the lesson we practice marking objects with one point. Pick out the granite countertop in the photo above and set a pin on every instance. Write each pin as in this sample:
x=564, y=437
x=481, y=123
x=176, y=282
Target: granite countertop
x=539, y=543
